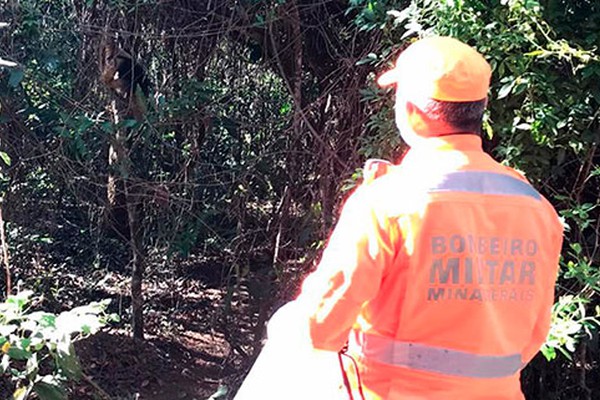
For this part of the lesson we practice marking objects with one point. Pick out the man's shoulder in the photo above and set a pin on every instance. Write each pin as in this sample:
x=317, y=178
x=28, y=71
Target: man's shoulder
x=399, y=190
x=513, y=172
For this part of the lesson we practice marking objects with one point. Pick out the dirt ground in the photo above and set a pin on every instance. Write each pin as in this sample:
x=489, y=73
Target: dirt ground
x=190, y=367
x=198, y=344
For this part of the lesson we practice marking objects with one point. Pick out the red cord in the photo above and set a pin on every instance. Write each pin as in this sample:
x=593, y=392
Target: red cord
x=343, y=352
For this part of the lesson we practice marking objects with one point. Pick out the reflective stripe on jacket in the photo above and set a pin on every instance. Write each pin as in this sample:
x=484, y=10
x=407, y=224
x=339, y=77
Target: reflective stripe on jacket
x=442, y=275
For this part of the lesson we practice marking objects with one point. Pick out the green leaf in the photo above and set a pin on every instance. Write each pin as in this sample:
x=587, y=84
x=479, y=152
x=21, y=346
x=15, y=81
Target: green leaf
x=20, y=299
x=259, y=21
x=524, y=126
x=107, y=127
x=548, y=352
x=40, y=319
x=67, y=361
x=5, y=363
x=6, y=158
x=15, y=77
x=285, y=108
x=129, y=123
x=536, y=53
x=505, y=89
x=222, y=390
x=25, y=342
x=18, y=354
x=6, y=330
x=371, y=58
x=48, y=320
x=32, y=366
x=400, y=16
x=48, y=391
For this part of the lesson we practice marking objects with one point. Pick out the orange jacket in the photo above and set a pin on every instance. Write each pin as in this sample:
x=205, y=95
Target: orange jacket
x=441, y=274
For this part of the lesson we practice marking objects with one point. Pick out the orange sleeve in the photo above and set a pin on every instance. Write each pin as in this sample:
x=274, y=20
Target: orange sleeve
x=348, y=275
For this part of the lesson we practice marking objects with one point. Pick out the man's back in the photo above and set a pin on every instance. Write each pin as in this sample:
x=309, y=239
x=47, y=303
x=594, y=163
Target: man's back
x=441, y=273
x=464, y=300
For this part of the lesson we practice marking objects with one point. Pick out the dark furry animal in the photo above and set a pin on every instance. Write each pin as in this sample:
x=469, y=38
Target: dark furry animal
x=127, y=78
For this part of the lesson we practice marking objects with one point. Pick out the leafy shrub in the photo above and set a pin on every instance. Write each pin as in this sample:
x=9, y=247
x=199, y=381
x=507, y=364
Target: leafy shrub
x=37, y=347
x=569, y=322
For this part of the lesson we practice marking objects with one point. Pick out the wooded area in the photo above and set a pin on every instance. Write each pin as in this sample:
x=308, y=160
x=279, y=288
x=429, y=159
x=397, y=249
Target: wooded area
x=186, y=159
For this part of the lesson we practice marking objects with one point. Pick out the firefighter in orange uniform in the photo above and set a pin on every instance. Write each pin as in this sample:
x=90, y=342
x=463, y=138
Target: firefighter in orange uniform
x=439, y=274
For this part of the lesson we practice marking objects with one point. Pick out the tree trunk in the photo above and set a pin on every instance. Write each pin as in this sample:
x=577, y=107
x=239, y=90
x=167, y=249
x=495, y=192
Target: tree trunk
x=116, y=223
x=122, y=178
x=137, y=259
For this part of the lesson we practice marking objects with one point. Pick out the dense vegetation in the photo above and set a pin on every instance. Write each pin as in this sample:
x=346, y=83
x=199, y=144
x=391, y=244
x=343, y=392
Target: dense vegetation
x=201, y=217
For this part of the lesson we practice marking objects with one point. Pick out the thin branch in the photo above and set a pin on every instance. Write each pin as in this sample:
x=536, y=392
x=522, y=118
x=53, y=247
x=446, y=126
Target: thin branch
x=5, y=259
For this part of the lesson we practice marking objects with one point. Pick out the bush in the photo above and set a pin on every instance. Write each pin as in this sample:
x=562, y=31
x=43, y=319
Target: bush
x=37, y=347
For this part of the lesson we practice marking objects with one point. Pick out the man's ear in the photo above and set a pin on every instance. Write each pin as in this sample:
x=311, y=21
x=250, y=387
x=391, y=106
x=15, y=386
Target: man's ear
x=425, y=126
x=418, y=121
x=411, y=107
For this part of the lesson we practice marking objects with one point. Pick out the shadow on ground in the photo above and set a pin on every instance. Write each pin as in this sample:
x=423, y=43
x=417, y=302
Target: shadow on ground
x=189, y=367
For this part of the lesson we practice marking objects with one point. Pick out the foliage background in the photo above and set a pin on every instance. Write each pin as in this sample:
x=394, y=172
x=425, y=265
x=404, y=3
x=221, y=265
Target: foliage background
x=260, y=116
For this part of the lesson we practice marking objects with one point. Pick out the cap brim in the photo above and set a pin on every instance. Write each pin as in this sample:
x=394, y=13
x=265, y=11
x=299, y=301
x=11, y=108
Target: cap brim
x=388, y=78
